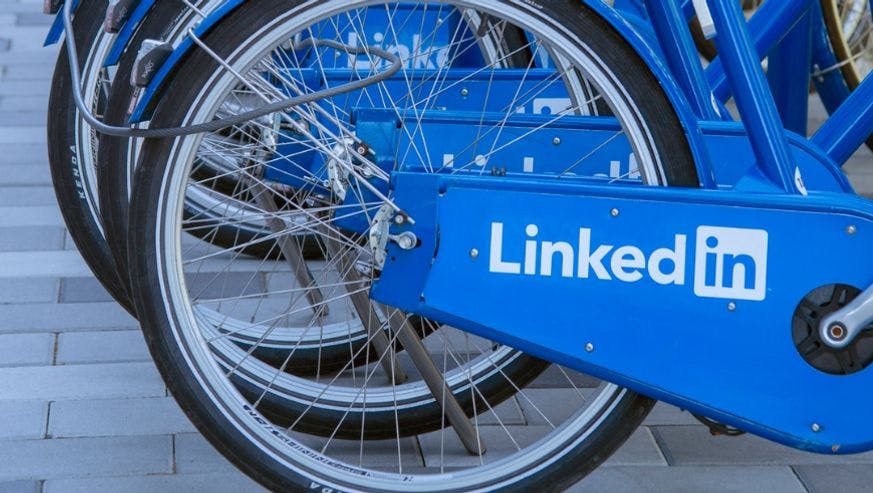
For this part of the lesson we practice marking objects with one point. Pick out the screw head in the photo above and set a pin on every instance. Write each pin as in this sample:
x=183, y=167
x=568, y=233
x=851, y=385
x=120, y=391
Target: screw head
x=852, y=229
x=614, y=213
x=556, y=141
x=732, y=307
x=815, y=427
x=399, y=219
x=465, y=92
x=589, y=347
x=474, y=254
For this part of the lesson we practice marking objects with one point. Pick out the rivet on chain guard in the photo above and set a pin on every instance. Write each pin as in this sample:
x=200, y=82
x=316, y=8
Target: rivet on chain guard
x=684, y=295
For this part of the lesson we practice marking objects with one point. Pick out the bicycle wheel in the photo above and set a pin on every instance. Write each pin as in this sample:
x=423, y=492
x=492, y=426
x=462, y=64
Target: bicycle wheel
x=187, y=332
x=72, y=146
x=208, y=205
x=849, y=24
x=325, y=346
x=118, y=156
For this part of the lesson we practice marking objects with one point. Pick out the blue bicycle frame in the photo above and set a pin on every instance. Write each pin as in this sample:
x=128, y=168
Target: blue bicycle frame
x=712, y=289
x=696, y=311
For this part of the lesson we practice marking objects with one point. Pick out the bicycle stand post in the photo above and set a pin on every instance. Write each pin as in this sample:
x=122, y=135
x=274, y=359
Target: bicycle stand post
x=367, y=314
x=290, y=249
x=413, y=345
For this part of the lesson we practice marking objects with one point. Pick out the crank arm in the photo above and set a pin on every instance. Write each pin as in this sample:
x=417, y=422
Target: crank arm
x=841, y=328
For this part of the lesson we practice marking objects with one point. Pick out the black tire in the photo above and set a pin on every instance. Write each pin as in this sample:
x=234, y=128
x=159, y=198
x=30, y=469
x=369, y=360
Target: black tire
x=116, y=164
x=236, y=437
x=286, y=407
x=117, y=157
x=67, y=159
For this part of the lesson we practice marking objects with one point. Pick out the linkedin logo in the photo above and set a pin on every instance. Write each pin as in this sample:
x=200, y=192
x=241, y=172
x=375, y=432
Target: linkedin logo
x=731, y=263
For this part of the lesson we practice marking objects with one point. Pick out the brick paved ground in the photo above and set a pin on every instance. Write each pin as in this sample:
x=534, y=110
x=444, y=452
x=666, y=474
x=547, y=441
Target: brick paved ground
x=83, y=409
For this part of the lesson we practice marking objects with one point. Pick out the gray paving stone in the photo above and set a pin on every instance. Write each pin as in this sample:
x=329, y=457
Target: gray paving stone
x=20, y=487
x=863, y=183
x=101, y=347
x=84, y=457
x=640, y=449
x=690, y=480
x=47, y=215
x=665, y=414
x=31, y=71
x=28, y=88
x=558, y=378
x=29, y=118
x=22, y=419
x=117, y=417
x=34, y=19
x=24, y=174
x=29, y=56
x=544, y=406
x=20, y=140
x=43, y=264
x=194, y=455
x=26, y=349
x=11, y=103
x=19, y=290
x=81, y=382
x=694, y=445
x=831, y=478
x=507, y=413
x=231, y=482
x=31, y=238
x=82, y=290
x=24, y=196
x=52, y=317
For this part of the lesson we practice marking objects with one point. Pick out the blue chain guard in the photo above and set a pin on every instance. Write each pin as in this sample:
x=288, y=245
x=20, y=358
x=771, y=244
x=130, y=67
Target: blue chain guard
x=664, y=333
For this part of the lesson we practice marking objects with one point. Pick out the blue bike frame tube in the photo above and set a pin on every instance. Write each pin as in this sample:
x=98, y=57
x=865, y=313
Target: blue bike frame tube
x=850, y=126
x=768, y=27
x=634, y=7
x=788, y=73
x=751, y=93
x=681, y=56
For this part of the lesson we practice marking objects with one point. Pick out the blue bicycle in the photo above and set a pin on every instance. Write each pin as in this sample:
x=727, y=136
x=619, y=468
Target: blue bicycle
x=507, y=204
x=113, y=35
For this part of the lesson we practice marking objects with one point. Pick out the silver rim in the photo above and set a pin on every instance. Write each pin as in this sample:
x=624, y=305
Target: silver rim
x=196, y=337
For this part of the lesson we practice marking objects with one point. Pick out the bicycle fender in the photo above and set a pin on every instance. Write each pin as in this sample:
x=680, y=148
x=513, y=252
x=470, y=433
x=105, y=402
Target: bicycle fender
x=122, y=39
x=144, y=105
x=57, y=29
